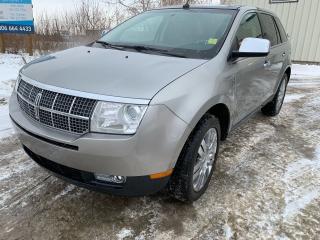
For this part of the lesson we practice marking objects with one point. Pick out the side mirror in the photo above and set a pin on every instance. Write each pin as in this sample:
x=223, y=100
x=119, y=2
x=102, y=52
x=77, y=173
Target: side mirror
x=253, y=47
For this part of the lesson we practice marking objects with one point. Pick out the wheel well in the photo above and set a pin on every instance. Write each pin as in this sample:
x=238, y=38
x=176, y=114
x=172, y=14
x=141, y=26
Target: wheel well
x=288, y=72
x=221, y=111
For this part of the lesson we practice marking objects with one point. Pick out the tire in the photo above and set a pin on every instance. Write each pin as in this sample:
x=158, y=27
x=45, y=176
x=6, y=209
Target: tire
x=181, y=185
x=273, y=108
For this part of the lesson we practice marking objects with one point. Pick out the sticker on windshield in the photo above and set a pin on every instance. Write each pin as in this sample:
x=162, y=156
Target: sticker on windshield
x=212, y=41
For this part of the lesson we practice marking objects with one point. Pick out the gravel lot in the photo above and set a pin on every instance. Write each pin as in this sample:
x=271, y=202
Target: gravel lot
x=266, y=186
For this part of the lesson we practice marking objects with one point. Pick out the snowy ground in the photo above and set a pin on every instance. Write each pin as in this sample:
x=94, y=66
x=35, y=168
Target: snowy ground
x=267, y=183
x=9, y=67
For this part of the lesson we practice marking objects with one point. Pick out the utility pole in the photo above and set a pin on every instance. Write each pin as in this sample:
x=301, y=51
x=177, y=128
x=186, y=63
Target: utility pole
x=30, y=44
x=2, y=48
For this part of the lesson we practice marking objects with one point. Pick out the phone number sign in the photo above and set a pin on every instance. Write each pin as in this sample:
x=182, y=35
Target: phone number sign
x=16, y=16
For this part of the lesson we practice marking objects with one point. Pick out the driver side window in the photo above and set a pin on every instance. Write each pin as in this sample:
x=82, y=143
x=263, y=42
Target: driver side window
x=249, y=27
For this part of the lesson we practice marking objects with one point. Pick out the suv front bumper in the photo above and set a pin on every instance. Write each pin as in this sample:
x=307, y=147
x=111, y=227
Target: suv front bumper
x=153, y=149
x=133, y=186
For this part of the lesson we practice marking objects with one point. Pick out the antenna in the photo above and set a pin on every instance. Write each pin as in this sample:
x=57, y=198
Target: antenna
x=186, y=5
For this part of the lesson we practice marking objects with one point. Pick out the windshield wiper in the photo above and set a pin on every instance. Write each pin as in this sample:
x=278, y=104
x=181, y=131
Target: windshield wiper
x=109, y=45
x=141, y=48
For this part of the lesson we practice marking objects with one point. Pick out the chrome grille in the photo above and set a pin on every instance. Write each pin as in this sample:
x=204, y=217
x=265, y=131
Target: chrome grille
x=61, y=111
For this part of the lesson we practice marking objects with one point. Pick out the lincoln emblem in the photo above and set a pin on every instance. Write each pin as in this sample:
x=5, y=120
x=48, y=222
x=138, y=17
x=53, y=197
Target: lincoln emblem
x=37, y=105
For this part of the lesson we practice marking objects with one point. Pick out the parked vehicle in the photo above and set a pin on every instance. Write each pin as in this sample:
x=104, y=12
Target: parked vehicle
x=146, y=106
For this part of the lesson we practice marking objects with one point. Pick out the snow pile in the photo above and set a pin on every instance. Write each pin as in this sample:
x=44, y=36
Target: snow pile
x=9, y=68
x=5, y=124
x=305, y=71
x=10, y=64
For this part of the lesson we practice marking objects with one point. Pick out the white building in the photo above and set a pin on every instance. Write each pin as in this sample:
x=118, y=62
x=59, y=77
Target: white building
x=301, y=19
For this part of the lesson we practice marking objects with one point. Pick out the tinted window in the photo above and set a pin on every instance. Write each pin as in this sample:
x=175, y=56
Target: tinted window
x=196, y=33
x=282, y=31
x=249, y=27
x=269, y=30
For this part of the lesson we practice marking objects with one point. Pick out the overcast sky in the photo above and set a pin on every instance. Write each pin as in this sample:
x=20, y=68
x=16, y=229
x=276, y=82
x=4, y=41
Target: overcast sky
x=54, y=6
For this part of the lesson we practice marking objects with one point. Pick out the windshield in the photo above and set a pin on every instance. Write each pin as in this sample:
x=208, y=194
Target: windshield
x=192, y=33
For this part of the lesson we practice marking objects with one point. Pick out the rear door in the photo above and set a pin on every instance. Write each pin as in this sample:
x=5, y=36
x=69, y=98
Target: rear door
x=274, y=61
x=250, y=89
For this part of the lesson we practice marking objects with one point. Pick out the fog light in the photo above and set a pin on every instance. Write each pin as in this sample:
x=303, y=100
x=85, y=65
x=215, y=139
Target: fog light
x=110, y=178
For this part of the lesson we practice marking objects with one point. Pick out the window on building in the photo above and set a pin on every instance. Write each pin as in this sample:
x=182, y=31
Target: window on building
x=249, y=27
x=269, y=29
x=283, y=1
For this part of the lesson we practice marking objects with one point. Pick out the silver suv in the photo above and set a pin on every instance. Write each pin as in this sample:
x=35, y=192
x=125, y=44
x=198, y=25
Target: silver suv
x=146, y=106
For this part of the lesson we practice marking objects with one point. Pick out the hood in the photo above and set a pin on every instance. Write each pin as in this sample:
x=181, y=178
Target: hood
x=108, y=71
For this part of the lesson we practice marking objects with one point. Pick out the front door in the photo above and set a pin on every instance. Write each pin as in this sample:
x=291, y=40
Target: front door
x=251, y=85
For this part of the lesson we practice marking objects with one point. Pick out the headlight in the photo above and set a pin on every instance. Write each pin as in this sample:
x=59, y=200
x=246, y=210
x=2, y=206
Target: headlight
x=117, y=118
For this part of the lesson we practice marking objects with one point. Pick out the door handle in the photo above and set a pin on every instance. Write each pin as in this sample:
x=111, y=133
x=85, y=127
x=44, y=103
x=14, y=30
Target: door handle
x=267, y=63
x=284, y=54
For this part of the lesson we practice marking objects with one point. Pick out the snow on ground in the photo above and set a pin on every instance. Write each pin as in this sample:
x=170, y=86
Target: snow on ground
x=228, y=232
x=300, y=71
x=293, y=97
x=298, y=196
x=124, y=233
x=5, y=124
x=65, y=191
x=10, y=64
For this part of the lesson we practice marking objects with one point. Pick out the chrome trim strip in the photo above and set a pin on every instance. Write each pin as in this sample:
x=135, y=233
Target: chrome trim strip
x=69, y=125
x=54, y=102
x=63, y=113
x=77, y=93
x=54, y=111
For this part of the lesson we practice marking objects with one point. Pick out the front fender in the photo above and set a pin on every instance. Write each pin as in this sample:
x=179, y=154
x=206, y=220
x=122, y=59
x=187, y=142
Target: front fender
x=192, y=95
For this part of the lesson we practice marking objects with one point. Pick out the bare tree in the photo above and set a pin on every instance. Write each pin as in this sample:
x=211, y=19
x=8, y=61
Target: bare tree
x=138, y=6
x=117, y=17
x=88, y=16
x=135, y=7
x=171, y=2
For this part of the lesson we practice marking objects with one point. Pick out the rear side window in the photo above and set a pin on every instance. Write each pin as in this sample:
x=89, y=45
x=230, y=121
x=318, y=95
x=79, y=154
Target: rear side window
x=269, y=29
x=283, y=33
x=249, y=27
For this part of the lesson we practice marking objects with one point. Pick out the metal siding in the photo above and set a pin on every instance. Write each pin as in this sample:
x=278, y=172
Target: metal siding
x=314, y=34
x=301, y=20
x=308, y=31
x=317, y=35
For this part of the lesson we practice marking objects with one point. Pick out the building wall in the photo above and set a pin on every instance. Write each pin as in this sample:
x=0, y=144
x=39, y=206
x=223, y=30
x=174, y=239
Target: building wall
x=301, y=20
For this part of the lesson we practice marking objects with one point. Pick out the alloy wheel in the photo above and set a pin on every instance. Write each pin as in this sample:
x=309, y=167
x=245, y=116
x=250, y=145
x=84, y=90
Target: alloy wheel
x=205, y=159
x=281, y=94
